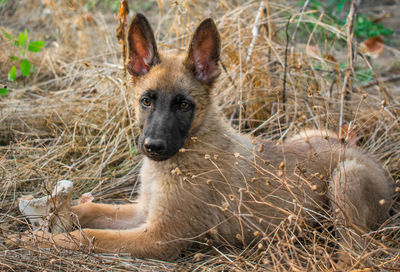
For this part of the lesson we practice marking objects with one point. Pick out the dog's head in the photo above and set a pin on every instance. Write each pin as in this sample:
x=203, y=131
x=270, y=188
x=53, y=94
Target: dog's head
x=172, y=92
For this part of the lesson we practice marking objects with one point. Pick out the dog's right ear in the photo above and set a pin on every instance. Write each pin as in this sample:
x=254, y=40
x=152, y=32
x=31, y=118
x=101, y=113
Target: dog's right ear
x=142, y=48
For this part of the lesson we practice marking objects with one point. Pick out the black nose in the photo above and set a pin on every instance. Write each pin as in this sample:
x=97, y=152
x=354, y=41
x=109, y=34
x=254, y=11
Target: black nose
x=155, y=145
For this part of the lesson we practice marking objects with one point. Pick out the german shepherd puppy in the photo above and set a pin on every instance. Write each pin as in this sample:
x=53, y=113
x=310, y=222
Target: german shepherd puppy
x=200, y=177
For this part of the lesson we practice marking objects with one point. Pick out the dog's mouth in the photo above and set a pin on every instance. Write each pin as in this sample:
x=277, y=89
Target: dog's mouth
x=156, y=156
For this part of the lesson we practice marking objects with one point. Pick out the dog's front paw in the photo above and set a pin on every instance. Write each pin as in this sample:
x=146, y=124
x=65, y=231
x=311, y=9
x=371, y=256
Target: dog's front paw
x=32, y=240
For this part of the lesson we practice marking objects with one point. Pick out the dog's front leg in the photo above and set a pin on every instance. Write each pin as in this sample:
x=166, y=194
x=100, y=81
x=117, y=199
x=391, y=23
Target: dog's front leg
x=141, y=242
x=107, y=216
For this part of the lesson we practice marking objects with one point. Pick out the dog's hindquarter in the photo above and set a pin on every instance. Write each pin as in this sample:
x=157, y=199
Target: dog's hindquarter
x=358, y=190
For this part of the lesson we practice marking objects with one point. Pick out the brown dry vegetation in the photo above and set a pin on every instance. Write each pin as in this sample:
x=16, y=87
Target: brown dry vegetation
x=74, y=120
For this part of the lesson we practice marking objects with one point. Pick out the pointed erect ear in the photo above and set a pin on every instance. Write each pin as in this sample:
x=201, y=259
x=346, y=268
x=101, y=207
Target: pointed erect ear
x=204, y=52
x=142, y=48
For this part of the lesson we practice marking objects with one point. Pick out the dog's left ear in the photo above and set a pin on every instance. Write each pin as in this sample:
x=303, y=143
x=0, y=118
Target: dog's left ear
x=142, y=48
x=204, y=51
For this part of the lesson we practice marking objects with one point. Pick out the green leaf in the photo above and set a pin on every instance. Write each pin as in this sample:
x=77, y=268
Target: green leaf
x=35, y=46
x=8, y=35
x=25, y=67
x=133, y=151
x=12, y=57
x=89, y=5
x=12, y=75
x=23, y=52
x=3, y=91
x=21, y=40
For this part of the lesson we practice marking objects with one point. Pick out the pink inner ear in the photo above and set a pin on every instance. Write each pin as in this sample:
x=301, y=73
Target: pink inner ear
x=144, y=53
x=206, y=67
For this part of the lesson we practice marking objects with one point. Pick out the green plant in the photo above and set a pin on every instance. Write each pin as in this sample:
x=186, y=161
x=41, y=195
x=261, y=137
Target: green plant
x=113, y=4
x=24, y=45
x=134, y=152
x=104, y=5
x=364, y=28
x=3, y=3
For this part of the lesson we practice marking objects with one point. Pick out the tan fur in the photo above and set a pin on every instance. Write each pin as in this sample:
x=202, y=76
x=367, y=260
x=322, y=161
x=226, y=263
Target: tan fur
x=223, y=186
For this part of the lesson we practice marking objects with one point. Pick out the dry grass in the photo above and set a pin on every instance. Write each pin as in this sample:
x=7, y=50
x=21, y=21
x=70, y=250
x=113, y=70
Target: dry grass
x=74, y=120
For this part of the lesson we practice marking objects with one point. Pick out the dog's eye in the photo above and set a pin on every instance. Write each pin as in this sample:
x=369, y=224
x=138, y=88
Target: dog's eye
x=184, y=106
x=145, y=101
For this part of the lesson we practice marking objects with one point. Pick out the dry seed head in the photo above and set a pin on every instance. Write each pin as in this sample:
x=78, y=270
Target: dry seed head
x=260, y=148
x=215, y=157
x=225, y=206
x=314, y=187
x=231, y=197
x=260, y=245
x=207, y=156
x=282, y=165
x=382, y=202
x=256, y=233
x=280, y=173
x=182, y=150
x=194, y=139
x=238, y=236
x=363, y=96
x=397, y=189
x=198, y=257
x=176, y=171
x=237, y=155
x=290, y=218
x=208, y=181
